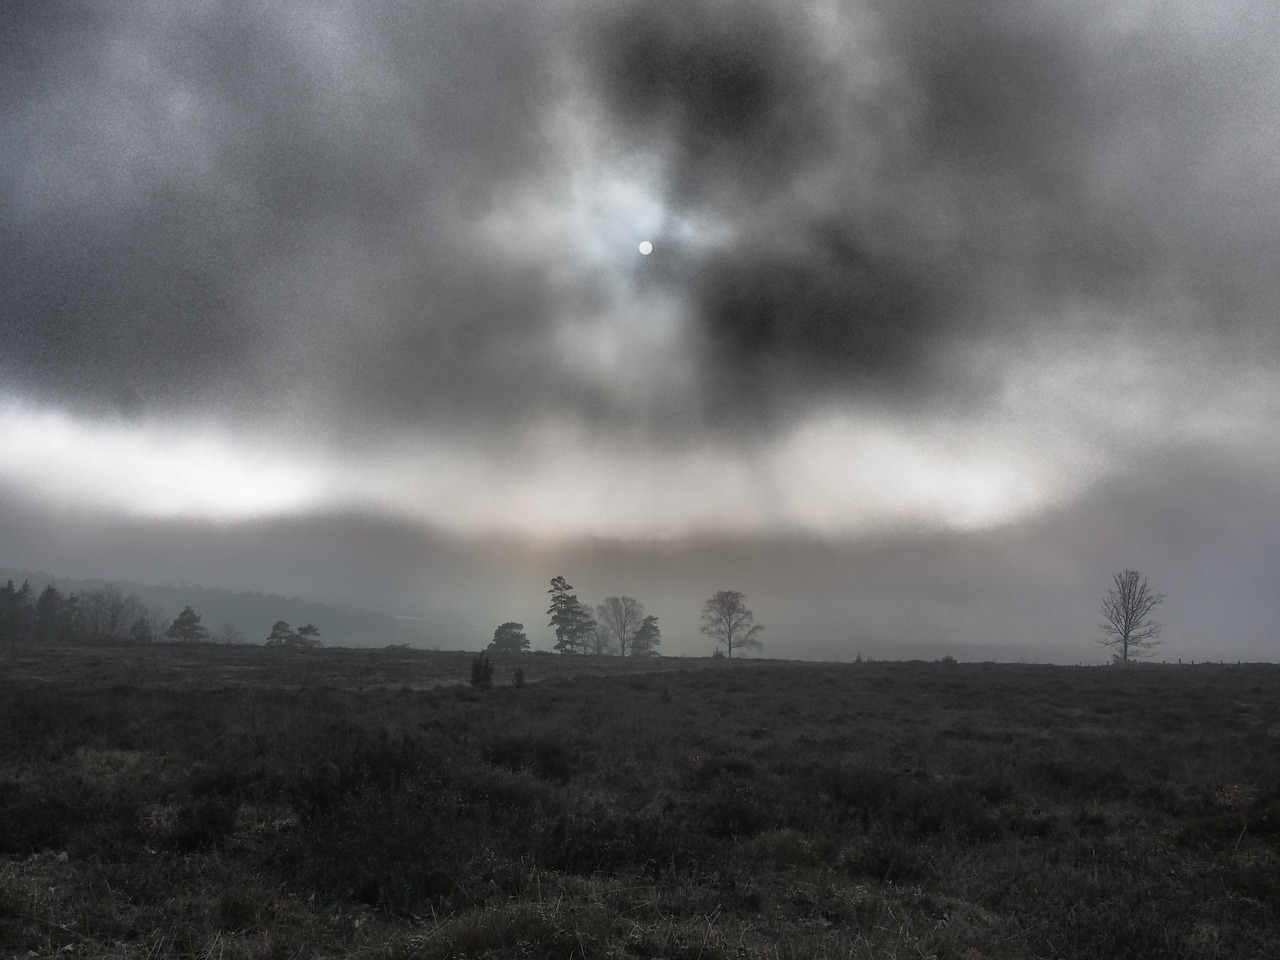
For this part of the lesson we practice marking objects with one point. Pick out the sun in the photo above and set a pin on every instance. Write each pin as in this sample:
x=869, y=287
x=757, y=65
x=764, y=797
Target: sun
x=646, y=248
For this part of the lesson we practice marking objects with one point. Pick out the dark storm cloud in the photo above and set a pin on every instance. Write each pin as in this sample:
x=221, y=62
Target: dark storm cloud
x=838, y=314
x=1023, y=159
x=1104, y=150
x=728, y=90
x=204, y=202
x=241, y=206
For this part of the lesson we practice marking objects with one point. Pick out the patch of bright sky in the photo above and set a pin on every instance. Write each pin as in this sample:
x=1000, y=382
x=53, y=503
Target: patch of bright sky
x=1069, y=414
x=832, y=475
x=154, y=470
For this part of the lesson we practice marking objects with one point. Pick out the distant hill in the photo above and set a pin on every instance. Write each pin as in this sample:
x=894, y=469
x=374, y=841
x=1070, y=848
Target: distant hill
x=254, y=613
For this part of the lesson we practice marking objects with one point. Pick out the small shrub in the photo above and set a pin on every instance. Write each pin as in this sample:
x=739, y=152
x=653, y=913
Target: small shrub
x=482, y=671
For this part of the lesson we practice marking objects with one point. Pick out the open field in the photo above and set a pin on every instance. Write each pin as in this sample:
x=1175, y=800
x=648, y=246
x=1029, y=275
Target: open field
x=200, y=666
x=244, y=802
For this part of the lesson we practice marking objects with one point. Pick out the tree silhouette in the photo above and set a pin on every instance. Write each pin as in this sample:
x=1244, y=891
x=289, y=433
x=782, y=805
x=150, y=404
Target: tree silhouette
x=17, y=613
x=570, y=618
x=307, y=635
x=283, y=635
x=726, y=619
x=52, y=620
x=598, y=638
x=648, y=636
x=186, y=627
x=509, y=638
x=1126, y=609
x=280, y=632
x=622, y=617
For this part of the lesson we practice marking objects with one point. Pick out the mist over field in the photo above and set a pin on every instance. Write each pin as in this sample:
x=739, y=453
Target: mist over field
x=952, y=312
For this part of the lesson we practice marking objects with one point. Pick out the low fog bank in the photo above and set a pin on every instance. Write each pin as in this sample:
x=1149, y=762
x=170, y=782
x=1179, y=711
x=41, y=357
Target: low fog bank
x=1029, y=592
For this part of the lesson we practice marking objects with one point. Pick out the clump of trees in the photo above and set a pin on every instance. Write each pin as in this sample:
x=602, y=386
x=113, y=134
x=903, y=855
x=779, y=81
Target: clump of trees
x=104, y=615
x=283, y=635
x=726, y=619
x=619, y=625
x=1127, y=627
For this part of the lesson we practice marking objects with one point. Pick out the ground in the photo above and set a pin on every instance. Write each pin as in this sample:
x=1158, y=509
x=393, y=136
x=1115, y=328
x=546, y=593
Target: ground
x=244, y=802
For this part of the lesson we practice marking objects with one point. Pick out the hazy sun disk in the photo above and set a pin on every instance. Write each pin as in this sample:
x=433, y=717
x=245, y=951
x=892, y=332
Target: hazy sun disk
x=646, y=247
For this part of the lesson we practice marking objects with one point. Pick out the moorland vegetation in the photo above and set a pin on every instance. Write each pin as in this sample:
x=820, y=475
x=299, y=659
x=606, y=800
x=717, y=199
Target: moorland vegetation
x=243, y=802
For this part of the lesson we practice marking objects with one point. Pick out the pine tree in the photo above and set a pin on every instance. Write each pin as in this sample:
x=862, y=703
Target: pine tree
x=648, y=636
x=570, y=618
x=186, y=627
x=509, y=638
x=17, y=613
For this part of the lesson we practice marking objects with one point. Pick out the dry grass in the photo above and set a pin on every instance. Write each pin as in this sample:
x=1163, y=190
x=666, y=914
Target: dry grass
x=242, y=802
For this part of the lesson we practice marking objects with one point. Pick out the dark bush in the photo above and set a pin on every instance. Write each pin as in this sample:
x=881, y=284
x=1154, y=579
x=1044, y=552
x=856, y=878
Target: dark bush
x=482, y=671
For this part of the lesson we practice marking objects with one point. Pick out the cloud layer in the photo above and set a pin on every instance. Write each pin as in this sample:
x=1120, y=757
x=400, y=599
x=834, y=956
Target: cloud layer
x=918, y=265
x=403, y=211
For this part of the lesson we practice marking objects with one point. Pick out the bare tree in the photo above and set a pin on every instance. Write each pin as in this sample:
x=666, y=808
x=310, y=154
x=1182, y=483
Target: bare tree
x=231, y=635
x=1126, y=625
x=622, y=617
x=108, y=615
x=597, y=638
x=726, y=619
x=93, y=616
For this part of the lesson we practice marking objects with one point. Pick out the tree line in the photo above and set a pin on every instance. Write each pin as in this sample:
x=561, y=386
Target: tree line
x=104, y=615
x=109, y=615
x=618, y=625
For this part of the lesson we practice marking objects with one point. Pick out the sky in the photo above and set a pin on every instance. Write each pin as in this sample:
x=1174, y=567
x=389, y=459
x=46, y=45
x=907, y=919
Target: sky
x=953, y=311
